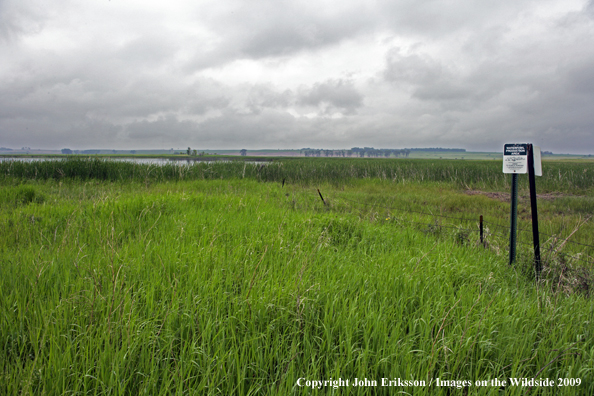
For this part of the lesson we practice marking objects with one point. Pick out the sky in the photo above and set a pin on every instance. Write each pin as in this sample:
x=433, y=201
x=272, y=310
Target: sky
x=233, y=74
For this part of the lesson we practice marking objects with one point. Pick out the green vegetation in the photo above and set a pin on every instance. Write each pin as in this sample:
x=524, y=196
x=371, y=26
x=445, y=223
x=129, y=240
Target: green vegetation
x=235, y=278
x=566, y=177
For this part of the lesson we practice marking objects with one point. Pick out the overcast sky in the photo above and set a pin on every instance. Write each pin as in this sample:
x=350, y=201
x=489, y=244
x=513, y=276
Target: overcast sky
x=231, y=74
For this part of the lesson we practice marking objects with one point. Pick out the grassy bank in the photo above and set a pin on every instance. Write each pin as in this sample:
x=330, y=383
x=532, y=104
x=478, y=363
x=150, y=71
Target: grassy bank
x=142, y=284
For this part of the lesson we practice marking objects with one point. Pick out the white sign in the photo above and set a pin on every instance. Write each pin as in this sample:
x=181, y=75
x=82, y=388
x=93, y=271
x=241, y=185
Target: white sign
x=537, y=161
x=515, y=158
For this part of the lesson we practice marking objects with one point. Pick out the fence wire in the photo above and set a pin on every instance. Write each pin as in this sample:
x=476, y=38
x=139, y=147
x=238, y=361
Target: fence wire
x=485, y=222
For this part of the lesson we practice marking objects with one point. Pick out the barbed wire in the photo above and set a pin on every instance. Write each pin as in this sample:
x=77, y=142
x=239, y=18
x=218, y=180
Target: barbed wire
x=434, y=214
x=565, y=239
x=462, y=219
x=496, y=225
x=500, y=234
x=407, y=211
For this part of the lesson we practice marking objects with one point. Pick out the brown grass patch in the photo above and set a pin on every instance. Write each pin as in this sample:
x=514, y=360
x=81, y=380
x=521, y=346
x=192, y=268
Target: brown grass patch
x=506, y=197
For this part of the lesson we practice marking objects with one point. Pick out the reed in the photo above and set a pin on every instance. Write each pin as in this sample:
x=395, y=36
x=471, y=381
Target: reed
x=569, y=177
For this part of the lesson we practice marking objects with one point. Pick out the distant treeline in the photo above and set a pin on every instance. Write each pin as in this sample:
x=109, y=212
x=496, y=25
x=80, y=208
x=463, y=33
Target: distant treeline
x=457, y=150
x=357, y=152
x=69, y=151
x=372, y=152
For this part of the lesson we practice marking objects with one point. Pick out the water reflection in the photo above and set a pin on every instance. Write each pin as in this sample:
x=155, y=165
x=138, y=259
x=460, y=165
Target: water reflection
x=27, y=159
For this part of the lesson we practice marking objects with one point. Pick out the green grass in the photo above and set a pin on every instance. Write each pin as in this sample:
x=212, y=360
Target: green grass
x=571, y=177
x=114, y=281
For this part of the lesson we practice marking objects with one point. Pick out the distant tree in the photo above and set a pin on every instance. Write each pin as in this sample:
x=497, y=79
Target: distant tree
x=66, y=151
x=194, y=153
x=243, y=152
x=189, y=151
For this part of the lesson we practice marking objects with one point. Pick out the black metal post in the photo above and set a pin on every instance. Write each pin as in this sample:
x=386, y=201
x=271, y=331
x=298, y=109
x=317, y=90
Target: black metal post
x=533, y=209
x=514, y=219
x=322, y=198
x=481, y=230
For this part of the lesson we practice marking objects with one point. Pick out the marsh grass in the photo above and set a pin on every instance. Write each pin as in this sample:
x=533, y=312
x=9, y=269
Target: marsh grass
x=236, y=286
x=569, y=177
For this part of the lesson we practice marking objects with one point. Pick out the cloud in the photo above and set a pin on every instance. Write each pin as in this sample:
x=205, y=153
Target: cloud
x=261, y=97
x=269, y=28
x=19, y=18
x=332, y=95
x=230, y=73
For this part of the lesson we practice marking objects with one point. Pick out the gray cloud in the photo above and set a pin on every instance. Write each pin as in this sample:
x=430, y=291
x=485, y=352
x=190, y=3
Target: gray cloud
x=340, y=95
x=438, y=18
x=415, y=69
x=267, y=73
x=18, y=18
x=266, y=28
x=263, y=96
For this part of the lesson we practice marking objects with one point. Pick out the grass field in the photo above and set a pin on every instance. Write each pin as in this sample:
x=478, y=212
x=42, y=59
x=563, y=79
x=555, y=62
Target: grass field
x=235, y=278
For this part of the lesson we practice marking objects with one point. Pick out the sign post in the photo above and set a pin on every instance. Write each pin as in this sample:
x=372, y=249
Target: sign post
x=523, y=158
x=515, y=160
x=534, y=168
x=513, y=219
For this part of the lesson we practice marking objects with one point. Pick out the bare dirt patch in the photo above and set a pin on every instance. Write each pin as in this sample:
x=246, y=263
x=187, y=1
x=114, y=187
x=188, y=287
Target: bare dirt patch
x=505, y=197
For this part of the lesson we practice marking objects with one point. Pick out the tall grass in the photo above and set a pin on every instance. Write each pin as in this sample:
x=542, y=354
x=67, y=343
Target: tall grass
x=569, y=177
x=239, y=287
